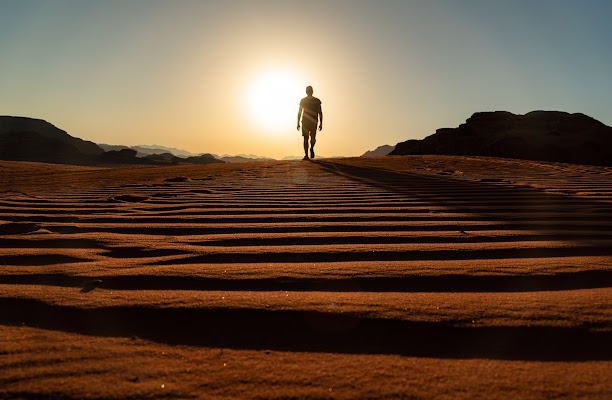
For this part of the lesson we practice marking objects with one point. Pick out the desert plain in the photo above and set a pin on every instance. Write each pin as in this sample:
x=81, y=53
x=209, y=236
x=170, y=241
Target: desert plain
x=377, y=277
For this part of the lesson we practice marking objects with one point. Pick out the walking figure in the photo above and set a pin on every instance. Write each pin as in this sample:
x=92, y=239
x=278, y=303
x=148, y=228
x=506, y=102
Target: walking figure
x=311, y=114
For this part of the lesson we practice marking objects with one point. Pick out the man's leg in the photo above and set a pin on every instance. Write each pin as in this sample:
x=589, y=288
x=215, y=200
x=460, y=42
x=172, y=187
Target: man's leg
x=306, y=145
x=305, y=133
x=309, y=131
x=313, y=140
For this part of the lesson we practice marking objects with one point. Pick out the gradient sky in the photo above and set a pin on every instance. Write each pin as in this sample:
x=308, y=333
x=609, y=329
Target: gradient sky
x=181, y=73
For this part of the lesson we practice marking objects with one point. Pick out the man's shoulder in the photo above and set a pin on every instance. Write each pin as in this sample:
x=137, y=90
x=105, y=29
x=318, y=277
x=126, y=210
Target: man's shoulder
x=310, y=99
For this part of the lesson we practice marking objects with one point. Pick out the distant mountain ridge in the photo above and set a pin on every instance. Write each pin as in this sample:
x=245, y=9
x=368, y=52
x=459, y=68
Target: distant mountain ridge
x=156, y=150
x=145, y=150
x=233, y=158
x=539, y=135
x=29, y=139
x=150, y=149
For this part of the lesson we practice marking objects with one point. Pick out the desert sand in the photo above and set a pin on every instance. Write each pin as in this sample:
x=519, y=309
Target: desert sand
x=378, y=277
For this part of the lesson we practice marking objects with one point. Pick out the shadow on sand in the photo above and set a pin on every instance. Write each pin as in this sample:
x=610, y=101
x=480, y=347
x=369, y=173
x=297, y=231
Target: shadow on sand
x=461, y=193
x=413, y=283
x=314, y=332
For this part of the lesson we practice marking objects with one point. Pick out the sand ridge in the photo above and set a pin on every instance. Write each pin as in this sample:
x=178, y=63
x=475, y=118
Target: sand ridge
x=434, y=260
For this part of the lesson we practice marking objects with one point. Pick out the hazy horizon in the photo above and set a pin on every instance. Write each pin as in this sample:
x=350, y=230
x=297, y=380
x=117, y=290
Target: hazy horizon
x=226, y=77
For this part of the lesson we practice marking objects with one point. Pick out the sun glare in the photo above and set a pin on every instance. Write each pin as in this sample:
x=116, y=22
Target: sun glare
x=273, y=100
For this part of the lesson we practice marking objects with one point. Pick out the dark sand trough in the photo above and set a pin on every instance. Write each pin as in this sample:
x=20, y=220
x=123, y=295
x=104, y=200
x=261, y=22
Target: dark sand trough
x=382, y=277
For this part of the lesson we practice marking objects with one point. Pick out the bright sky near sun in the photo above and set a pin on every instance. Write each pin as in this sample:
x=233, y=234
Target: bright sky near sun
x=226, y=77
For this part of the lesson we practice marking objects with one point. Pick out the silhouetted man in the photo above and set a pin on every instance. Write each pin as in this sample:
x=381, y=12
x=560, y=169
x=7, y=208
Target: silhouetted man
x=311, y=114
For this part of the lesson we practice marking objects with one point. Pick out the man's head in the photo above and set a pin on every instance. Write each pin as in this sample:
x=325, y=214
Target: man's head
x=309, y=90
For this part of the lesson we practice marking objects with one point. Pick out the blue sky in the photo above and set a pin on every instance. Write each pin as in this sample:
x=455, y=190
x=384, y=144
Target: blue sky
x=177, y=73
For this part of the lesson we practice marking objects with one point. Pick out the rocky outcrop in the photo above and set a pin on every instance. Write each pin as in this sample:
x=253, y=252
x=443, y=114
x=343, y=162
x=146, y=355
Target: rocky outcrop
x=379, y=151
x=164, y=158
x=28, y=139
x=538, y=135
x=123, y=156
x=203, y=159
x=144, y=150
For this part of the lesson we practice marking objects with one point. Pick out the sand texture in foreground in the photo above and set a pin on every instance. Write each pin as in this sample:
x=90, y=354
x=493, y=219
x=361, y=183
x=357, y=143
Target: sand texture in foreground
x=381, y=277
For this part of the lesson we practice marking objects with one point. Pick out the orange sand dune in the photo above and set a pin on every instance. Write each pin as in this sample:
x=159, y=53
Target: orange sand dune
x=379, y=277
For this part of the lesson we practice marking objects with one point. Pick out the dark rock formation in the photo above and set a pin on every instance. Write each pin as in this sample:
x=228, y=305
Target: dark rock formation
x=158, y=149
x=123, y=156
x=164, y=158
x=538, y=135
x=111, y=147
x=28, y=139
x=379, y=151
x=129, y=156
x=203, y=159
x=143, y=150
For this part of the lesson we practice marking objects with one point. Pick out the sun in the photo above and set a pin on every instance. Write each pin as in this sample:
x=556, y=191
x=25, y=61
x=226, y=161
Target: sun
x=273, y=99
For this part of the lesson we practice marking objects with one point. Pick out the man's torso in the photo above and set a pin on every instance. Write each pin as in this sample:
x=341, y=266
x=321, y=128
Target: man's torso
x=312, y=107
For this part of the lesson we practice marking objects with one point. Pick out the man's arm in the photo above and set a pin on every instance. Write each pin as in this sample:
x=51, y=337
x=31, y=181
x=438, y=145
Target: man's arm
x=299, y=115
x=320, y=119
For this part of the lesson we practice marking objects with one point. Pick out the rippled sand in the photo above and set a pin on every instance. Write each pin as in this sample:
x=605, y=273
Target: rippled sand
x=381, y=277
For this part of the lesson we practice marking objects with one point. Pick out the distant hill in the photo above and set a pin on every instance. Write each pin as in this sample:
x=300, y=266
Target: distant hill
x=379, y=151
x=242, y=158
x=203, y=159
x=163, y=154
x=28, y=139
x=145, y=150
x=235, y=159
x=538, y=135
x=158, y=149
x=169, y=158
x=112, y=147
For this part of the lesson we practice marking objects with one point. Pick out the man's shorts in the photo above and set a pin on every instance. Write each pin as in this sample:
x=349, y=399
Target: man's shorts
x=309, y=130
